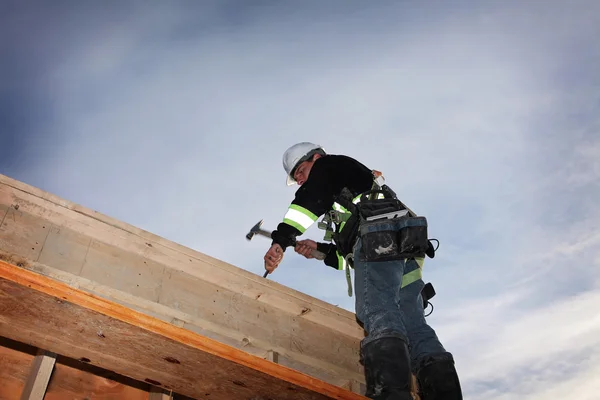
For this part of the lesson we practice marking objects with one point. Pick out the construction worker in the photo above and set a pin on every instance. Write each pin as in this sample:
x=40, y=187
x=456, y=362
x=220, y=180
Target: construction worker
x=376, y=235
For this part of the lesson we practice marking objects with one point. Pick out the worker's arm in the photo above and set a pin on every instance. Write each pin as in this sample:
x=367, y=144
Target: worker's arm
x=313, y=199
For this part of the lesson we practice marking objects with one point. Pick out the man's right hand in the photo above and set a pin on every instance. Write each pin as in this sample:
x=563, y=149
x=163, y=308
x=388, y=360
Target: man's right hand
x=306, y=247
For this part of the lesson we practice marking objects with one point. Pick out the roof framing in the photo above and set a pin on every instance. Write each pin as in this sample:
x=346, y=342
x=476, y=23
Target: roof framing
x=51, y=315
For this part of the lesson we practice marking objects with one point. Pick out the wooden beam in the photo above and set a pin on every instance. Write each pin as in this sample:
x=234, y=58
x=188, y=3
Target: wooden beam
x=51, y=315
x=159, y=394
x=165, y=280
x=39, y=376
x=317, y=368
x=58, y=212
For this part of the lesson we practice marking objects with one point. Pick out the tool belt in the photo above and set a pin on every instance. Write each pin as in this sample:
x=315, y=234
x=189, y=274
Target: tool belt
x=387, y=229
x=395, y=239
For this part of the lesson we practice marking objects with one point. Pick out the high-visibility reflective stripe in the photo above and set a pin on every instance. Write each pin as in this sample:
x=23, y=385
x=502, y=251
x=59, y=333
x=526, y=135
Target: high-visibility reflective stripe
x=304, y=211
x=341, y=261
x=294, y=224
x=299, y=217
x=412, y=276
x=338, y=207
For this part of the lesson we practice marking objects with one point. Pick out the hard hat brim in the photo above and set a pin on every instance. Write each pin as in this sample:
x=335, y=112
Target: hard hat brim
x=289, y=181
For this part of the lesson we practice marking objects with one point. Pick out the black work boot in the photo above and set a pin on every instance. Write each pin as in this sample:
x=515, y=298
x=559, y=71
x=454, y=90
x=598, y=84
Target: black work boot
x=387, y=369
x=438, y=380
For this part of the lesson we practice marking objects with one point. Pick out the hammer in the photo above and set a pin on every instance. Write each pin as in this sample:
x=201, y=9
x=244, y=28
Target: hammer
x=256, y=230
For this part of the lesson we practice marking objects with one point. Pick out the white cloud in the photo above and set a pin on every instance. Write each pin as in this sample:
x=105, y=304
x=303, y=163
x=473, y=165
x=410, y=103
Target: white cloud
x=529, y=354
x=483, y=119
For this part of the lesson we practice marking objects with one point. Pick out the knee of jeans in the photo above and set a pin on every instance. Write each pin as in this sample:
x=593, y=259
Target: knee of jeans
x=384, y=334
x=430, y=358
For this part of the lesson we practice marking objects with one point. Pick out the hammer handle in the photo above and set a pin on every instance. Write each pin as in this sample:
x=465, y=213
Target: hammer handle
x=315, y=253
x=318, y=255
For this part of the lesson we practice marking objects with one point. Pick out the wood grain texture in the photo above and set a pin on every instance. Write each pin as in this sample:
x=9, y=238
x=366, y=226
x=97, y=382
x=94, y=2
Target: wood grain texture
x=159, y=394
x=30, y=230
x=73, y=379
x=70, y=379
x=60, y=212
x=67, y=321
x=15, y=364
x=315, y=367
x=65, y=248
x=171, y=282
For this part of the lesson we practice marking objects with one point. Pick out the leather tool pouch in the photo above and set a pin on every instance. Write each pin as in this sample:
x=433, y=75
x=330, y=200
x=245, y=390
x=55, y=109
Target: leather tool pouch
x=373, y=208
x=394, y=239
x=369, y=208
x=384, y=238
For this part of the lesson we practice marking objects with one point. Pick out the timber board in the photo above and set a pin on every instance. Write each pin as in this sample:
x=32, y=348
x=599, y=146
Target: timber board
x=51, y=315
x=61, y=212
x=232, y=303
x=317, y=367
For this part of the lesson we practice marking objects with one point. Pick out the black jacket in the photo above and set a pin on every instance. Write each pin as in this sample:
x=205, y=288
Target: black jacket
x=328, y=176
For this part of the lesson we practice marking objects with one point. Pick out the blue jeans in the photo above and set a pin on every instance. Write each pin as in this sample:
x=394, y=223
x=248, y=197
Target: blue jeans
x=387, y=310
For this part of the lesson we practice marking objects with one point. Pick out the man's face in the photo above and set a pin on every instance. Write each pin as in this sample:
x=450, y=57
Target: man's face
x=303, y=170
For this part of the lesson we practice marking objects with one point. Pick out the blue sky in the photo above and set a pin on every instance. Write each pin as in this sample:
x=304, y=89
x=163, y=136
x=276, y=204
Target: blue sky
x=483, y=116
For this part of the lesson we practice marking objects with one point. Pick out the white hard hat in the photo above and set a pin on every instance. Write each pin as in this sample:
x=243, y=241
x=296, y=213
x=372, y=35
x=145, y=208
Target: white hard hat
x=296, y=155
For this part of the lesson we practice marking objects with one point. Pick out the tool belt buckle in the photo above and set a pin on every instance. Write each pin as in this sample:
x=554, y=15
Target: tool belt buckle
x=334, y=216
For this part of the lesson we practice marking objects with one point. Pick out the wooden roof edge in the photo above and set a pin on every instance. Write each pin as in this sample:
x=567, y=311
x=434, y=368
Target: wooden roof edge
x=115, y=223
x=98, y=304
